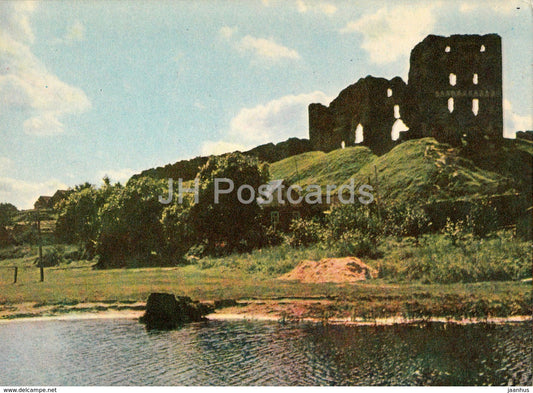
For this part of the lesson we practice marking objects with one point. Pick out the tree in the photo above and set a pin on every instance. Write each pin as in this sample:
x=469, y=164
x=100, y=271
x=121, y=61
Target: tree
x=7, y=211
x=131, y=231
x=230, y=224
x=177, y=230
x=78, y=220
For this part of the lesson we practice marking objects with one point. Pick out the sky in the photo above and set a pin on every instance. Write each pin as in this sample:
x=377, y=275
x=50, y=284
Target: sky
x=95, y=88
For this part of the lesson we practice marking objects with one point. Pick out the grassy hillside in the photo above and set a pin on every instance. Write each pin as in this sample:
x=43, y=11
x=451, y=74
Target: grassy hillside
x=321, y=168
x=416, y=171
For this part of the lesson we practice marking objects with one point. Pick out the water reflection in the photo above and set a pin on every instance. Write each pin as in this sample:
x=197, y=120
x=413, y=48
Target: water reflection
x=121, y=352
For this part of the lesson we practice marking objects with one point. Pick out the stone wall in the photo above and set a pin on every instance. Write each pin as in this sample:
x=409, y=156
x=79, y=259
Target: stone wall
x=448, y=78
x=363, y=113
x=454, y=94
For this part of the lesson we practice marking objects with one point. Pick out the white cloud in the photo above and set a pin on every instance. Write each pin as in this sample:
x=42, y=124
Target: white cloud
x=513, y=121
x=220, y=147
x=14, y=20
x=227, y=32
x=313, y=6
x=117, y=175
x=266, y=49
x=390, y=33
x=500, y=7
x=274, y=121
x=25, y=84
x=24, y=193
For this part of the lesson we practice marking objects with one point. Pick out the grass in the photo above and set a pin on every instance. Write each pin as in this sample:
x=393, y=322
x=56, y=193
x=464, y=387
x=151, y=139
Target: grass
x=322, y=168
x=416, y=171
x=437, y=260
x=253, y=276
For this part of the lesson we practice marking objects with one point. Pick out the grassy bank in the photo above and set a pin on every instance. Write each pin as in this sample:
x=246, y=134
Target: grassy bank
x=251, y=278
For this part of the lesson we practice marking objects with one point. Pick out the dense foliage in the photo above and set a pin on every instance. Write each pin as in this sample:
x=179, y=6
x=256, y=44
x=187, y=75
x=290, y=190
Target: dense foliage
x=127, y=226
x=229, y=224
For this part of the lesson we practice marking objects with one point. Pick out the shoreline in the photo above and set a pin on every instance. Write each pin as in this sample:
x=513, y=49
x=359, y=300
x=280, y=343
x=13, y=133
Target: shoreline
x=395, y=320
x=250, y=311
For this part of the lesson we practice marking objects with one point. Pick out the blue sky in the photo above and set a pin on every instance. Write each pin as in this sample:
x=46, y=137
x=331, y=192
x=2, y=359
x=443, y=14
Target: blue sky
x=90, y=88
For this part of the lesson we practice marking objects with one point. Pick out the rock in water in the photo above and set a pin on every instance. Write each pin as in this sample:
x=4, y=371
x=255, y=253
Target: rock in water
x=164, y=311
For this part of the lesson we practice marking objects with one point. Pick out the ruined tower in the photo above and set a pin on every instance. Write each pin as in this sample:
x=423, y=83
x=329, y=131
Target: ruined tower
x=455, y=89
x=363, y=113
x=454, y=94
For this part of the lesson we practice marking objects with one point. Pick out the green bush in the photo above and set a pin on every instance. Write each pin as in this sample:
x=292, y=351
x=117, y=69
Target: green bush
x=364, y=219
x=52, y=257
x=356, y=243
x=14, y=252
x=303, y=233
x=470, y=259
x=407, y=221
x=482, y=219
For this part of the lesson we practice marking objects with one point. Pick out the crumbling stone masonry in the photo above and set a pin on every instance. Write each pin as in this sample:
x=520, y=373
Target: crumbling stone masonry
x=454, y=94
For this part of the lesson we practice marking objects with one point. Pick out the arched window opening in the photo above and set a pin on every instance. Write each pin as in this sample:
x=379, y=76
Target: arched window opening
x=396, y=111
x=475, y=79
x=359, y=133
x=389, y=92
x=475, y=106
x=453, y=79
x=482, y=49
x=450, y=104
x=447, y=49
x=397, y=127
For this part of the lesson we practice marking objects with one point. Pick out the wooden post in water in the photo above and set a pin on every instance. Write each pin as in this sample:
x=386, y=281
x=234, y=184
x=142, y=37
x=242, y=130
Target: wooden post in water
x=41, y=267
x=15, y=275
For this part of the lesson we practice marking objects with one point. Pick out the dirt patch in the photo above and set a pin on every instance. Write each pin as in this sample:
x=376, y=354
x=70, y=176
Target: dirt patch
x=337, y=270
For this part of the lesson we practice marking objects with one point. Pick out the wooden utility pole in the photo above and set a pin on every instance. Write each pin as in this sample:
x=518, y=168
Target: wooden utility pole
x=41, y=266
x=15, y=275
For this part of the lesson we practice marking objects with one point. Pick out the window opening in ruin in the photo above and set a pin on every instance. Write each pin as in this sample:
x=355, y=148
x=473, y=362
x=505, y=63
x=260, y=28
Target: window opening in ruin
x=453, y=79
x=482, y=49
x=389, y=92
x=474, y=79
x=397, y=127
x=475, y=106
x=343, y=145
x=359, y=133
x=447, y=49
x=450, y=104
x=396, y=111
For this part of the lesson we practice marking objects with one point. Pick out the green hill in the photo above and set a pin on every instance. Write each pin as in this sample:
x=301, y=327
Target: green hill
x=416, y=171
x=317, y=167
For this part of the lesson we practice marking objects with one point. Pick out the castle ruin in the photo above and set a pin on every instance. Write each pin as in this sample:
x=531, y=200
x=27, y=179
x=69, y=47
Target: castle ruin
x=454, y=94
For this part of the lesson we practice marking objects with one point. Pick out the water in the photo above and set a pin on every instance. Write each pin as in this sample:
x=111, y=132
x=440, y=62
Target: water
x=122, y=352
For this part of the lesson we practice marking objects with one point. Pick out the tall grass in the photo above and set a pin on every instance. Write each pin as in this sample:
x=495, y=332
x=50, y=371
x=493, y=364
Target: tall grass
x=438, y=260
x=272, y=261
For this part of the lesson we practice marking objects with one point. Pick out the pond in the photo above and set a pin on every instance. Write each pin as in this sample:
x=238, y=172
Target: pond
x=122, y=352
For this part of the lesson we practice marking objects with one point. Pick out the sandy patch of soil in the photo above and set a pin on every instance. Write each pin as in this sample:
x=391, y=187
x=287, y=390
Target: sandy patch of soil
x=336, y=270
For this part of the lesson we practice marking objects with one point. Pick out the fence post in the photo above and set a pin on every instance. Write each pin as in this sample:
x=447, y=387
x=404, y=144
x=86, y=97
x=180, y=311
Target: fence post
x=15, y=275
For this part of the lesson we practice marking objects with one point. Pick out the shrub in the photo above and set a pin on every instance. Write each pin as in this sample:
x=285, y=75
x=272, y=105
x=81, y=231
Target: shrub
x=482, y=219
x=407, y=221
x=356, y=243
x=500, y=258
x=52, y=257
x=304, y=233
x=348, y=218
